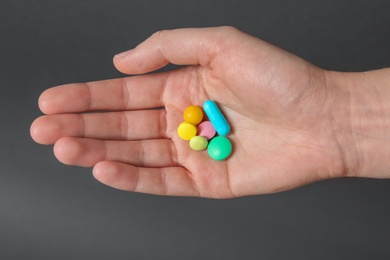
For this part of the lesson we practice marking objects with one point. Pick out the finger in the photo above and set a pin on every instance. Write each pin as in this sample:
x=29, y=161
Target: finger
x=139, y=92
x=88, y=152
x=127, y=125
x=180, y=46
x=175, y=181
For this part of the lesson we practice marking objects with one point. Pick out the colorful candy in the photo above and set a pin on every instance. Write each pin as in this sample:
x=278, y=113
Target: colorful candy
x=219, y=148
x=186, y=131
x=206, y=129
x=216, y=117
x=193, y=115
x=198, y=143
x=201, y=134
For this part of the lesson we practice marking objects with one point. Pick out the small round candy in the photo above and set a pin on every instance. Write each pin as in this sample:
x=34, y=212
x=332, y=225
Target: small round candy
x=193, y=115
x=186, y=131
x=206, y=129
x=198, y=143
x=219, y=148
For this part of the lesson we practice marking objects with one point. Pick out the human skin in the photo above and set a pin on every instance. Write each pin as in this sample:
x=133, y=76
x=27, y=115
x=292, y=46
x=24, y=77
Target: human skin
x=292, y=123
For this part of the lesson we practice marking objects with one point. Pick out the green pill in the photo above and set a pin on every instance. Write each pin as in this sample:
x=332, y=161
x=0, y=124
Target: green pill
x=198, y=143
x=219, y=148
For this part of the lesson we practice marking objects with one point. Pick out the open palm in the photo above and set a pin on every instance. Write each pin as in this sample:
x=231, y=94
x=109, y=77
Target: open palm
x=277, y=105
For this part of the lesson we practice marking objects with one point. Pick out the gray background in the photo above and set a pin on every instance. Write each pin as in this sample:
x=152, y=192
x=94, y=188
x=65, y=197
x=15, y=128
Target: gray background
x=52, y=211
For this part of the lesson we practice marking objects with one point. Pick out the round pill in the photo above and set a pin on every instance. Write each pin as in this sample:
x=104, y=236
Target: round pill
x=186, y=131
x=206, y=129
x=219, y=148
x=198, y=143
x=193, y=115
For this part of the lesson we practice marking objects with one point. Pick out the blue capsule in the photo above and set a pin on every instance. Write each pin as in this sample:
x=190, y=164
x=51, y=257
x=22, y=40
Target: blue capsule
x=216, y=117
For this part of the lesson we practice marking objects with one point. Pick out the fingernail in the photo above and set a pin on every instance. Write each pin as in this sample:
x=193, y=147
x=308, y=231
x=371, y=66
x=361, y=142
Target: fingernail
x=123, y=54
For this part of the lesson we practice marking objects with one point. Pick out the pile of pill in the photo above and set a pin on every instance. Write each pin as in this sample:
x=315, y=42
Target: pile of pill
x=201, y=133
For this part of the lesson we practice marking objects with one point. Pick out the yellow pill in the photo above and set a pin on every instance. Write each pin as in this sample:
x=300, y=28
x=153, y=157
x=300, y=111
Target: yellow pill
x=186, y=131
x=198, y=143
x=193, y=115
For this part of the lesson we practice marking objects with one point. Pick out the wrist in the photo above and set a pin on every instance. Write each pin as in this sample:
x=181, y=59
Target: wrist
x=361, y=121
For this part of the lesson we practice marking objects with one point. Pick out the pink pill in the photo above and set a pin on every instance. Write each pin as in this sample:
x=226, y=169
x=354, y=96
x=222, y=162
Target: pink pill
x=206, y=130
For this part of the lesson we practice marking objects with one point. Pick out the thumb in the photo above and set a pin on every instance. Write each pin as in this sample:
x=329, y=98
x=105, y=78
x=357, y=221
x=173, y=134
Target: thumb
x=180, y=47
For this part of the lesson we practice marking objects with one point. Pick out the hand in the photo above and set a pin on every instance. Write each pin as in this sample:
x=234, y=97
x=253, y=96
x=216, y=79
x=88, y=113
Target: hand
x=280, y=108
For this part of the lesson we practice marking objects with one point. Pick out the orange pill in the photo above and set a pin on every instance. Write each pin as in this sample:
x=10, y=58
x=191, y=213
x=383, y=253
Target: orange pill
x=193, y=115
